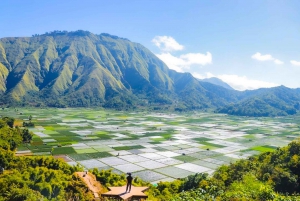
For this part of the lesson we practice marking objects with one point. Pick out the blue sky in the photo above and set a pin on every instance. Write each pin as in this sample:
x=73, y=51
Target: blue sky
x=247, y=43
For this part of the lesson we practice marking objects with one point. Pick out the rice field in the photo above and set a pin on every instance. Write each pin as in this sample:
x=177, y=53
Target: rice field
x=153, y=146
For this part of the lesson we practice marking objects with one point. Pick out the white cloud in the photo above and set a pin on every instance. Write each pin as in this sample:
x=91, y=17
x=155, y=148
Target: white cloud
x=184, y=61
x=238, y=82
x=258, y=56
x=277, y=61
x=242, y=82
x=172, y=62
x=200, y=76
x=180, y=63
x=197, y=58
x=167, y=43
x=295, y=63
x=267, y=57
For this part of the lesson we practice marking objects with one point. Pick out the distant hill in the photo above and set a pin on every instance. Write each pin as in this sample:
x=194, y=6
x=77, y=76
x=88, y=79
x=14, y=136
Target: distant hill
x=277, y=101
x=82, y=69
x=217, y=81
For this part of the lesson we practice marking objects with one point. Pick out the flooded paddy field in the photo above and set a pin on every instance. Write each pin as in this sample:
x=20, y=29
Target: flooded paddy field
x=153, y=146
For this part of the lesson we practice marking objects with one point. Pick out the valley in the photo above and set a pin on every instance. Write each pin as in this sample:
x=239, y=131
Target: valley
x=153, y=146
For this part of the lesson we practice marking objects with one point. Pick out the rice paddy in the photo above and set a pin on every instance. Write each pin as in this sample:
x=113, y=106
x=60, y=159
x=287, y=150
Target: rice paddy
x=153, y=146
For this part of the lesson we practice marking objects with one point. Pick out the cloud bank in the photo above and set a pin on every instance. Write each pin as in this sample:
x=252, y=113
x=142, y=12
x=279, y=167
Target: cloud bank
x=184, y=61
x=180, y=63
x=295, y=63
x=267, y=57
x=167, y=43
x=240, y=83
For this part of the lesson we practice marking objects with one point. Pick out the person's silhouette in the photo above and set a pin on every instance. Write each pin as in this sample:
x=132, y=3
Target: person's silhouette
x=129, y=181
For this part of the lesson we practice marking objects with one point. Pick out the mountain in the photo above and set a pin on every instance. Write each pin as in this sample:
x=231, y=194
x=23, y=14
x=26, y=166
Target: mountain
x=217, y=81
x=82, y=69
x=277, y=101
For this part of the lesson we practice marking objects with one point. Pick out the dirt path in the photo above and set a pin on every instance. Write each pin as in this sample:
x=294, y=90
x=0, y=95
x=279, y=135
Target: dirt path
x=91, y=182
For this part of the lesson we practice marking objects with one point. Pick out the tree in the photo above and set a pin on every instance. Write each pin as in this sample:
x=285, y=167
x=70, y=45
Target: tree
x=26, y=135
x=10, y=121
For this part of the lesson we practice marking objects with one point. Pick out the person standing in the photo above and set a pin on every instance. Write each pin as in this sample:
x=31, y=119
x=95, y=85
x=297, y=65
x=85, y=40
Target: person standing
x=129, y=182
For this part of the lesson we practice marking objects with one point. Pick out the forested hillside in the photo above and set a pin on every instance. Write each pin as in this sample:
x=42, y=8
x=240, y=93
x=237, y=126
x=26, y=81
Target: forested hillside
x=277, y=101
x=34, y=178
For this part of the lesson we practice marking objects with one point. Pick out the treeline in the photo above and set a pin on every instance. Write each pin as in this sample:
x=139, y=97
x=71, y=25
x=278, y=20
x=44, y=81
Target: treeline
x=257, y=107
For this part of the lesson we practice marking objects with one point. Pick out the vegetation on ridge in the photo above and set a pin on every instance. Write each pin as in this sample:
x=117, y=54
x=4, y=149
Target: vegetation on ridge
x=35, y=178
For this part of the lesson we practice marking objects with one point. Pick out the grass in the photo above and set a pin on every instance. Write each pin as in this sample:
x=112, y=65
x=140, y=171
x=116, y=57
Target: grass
x=90, y=150
x=270, y=146
x=155, y=142
x=185, y=158
x=158, y=139
x=263, y=149
x=22, y=148
x=202, y=139
x=212, y=144
x=100, y=155
x=160, y=149
x=63, y=150
x=50, y=132
x=128, y=147
x=208, y=147
x=250, y=136
x=79, y=157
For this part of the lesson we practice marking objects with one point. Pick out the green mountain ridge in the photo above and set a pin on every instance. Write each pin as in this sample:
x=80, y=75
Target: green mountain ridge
x=217, y=81
x=277, y=101
x=82, y=69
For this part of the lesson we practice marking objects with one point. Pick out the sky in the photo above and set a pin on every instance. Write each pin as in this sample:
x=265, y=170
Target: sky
x=249, y=44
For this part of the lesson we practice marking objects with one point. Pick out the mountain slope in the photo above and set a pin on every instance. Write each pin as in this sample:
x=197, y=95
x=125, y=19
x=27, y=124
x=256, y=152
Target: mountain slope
x=277, y=101
x=83, y=69
x=217, y=81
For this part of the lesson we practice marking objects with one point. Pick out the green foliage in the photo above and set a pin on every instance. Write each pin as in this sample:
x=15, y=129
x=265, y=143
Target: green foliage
x=278, y=101
x=26, y=135
x=9, y=121
x=108, y=178
x=10, y=138
x=28, y=124
x=249, y=188
x=35, y=178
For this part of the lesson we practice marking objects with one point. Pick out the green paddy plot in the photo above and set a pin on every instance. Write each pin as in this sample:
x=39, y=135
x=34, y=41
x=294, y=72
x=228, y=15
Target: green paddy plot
x=185, y=158
x=265, y=148
x=212, y=144
x=128, y=147
x=149, y=143
x=63, y=150
x=202, y=139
